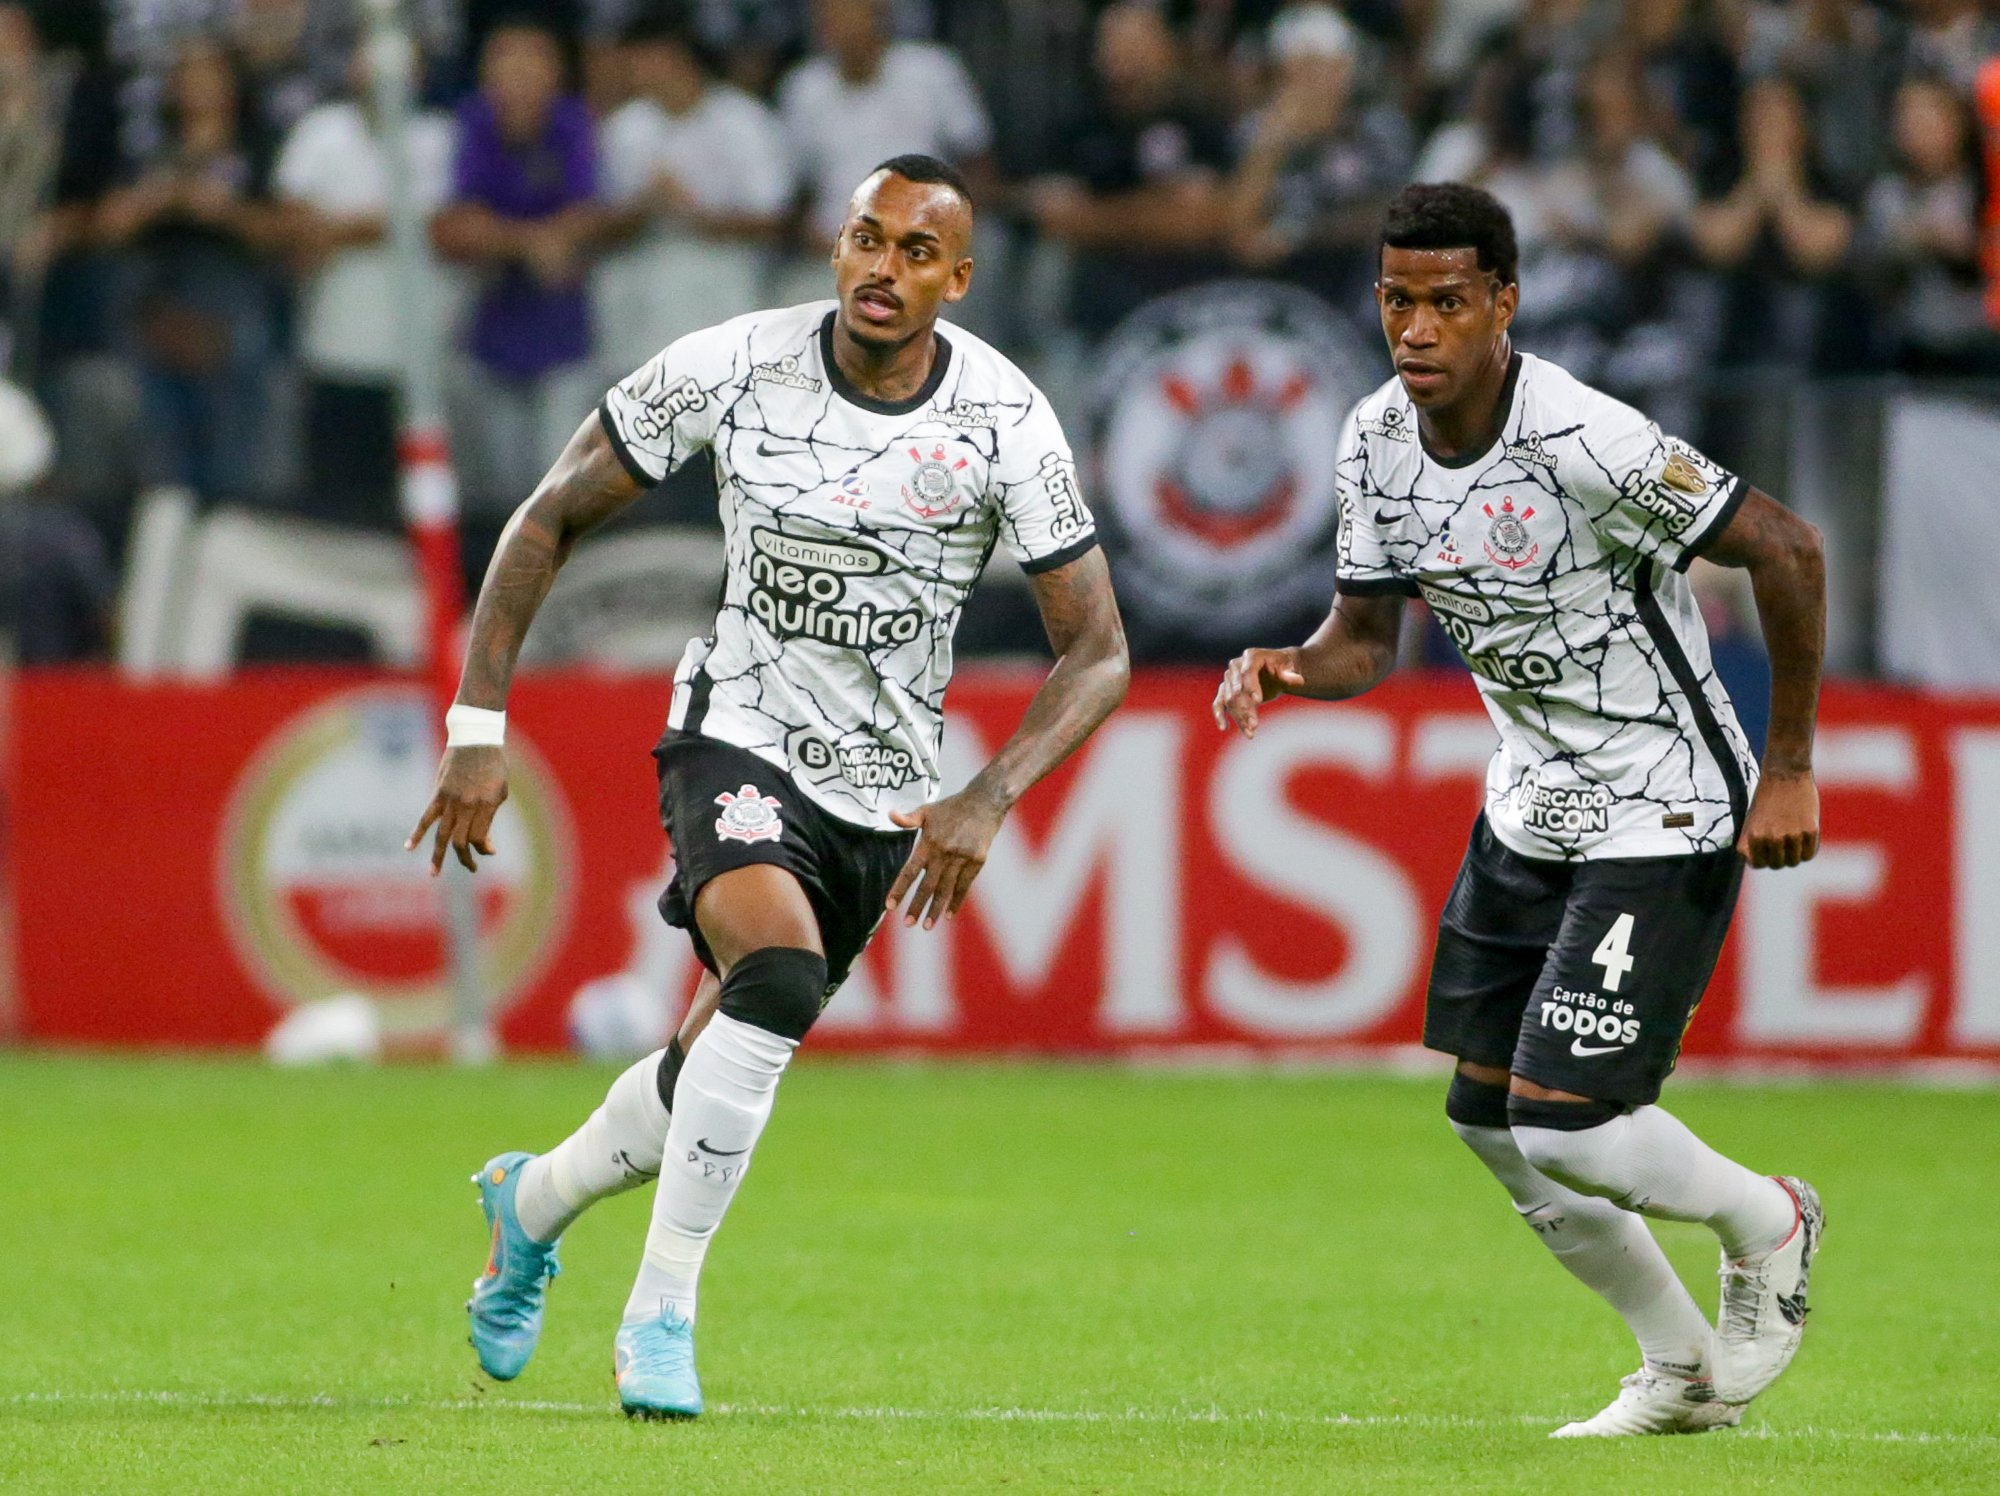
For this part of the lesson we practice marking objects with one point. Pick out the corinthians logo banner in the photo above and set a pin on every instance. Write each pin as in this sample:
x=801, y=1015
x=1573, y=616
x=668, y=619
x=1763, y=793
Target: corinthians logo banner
x=1213, y=428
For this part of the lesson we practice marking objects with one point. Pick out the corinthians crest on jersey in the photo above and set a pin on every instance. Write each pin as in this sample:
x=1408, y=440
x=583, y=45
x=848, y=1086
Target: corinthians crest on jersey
x=1554, y=561
x=854, y=530
x=1509, y=541
x=748, y=815
x=932, y=488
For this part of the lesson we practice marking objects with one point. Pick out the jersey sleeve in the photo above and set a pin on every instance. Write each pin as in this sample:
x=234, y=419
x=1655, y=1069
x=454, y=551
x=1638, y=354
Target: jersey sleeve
x=1043, y=520
x=666, y=410
x=1647, y=491
x=1364, y=567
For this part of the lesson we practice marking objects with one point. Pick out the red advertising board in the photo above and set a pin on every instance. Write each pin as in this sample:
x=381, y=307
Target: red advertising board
x=191, y=862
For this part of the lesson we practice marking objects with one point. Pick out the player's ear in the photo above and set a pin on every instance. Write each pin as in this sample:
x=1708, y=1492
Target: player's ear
x=839, y=235
x=1506, y=300
x=961, y=280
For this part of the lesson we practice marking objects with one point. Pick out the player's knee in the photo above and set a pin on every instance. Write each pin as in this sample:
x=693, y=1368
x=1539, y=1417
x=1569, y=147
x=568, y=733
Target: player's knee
x=1570, y=1141
x=1475, y=1103
x=779, y=989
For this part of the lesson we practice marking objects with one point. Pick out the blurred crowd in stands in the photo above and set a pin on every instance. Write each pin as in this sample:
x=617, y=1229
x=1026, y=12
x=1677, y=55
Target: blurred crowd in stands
x=194, y=285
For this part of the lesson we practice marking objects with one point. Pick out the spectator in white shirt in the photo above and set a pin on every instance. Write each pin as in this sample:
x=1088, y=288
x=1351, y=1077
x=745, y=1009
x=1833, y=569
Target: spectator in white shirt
x=698, y=179
x=864, y=98
x=332, y=184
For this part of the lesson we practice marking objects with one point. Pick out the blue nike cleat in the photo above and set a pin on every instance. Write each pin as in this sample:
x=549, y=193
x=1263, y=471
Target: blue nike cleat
x=654, y=1360
x=506, y=1302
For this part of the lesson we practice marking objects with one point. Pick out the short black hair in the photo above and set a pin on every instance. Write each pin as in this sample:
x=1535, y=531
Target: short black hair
x=661, y=21
x=1450, y=215
x=919, y=168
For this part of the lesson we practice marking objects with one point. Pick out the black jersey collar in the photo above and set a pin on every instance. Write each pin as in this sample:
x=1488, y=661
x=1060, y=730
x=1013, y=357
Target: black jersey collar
x=1506, y=420
x=846, y=390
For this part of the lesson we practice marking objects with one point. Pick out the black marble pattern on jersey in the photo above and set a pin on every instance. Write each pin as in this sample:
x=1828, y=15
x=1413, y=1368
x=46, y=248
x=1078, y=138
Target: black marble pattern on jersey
x=855, y=531
x=1554, y=560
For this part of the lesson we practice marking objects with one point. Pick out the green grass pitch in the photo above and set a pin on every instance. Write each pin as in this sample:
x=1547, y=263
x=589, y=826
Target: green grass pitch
x=983, y=1278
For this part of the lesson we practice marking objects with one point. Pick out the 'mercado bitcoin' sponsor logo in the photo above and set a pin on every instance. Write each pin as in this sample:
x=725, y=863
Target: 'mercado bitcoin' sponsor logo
x=867, y=764
x=799, y=589
x=1566, y=810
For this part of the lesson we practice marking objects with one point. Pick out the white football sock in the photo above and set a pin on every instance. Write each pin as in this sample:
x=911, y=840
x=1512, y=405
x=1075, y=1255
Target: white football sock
x=1607, y=1249
x=721, y=1103
x=1648, y=1161
x=617, y=1149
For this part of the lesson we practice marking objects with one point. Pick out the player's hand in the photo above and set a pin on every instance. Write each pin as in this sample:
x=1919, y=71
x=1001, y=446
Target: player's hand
x=1253, y=678
x=953, y=837
x=1782, y=829
x=471, y=787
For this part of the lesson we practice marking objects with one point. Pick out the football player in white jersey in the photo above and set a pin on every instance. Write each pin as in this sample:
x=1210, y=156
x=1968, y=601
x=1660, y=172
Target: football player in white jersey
x=1548, y=528
x=868, y=462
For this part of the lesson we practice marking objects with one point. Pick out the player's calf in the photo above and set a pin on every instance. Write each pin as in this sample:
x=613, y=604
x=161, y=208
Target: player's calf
x=1607, y=1249
x=722, y=1101
x=1644, y=1159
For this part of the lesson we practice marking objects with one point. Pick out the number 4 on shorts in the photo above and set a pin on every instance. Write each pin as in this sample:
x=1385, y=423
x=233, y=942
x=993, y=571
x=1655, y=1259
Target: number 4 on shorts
x=1612, y=952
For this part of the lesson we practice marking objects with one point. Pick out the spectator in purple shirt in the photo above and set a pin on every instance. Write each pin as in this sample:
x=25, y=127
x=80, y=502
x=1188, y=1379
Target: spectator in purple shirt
x=523, y=217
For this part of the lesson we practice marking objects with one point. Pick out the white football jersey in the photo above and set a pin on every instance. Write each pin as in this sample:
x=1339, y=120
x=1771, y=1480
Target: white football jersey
x=855, y=530
x=1555, y=560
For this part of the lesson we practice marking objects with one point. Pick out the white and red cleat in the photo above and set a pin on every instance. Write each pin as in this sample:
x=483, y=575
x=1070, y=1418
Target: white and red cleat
x=1653, y=1401
x=1763, y=1314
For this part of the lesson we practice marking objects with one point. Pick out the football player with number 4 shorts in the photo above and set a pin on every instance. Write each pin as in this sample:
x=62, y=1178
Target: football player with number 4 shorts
x=1549, y=529
x=868, y=462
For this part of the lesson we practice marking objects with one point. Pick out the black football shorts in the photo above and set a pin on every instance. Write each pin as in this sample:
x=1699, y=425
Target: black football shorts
x=1578, y=976
x=726, y=808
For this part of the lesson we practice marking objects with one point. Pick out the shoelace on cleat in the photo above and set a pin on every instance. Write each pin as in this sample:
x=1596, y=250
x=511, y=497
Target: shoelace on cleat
x=1743, y=1293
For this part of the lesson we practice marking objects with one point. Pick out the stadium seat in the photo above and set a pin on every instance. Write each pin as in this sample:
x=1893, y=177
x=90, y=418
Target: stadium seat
x=630, y=601
x=235, y=564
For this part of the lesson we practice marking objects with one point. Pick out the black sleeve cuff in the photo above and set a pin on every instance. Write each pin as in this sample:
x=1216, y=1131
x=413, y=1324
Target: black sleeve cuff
x=1738, y=492
x=1375, y=586
x=625, y=458
x=1075, y=551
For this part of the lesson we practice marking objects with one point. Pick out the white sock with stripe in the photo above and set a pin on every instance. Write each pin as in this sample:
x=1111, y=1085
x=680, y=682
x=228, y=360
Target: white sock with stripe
x=617, y=1149
x=1647, y=1160
x=721, y=1103
x=1606, y=1249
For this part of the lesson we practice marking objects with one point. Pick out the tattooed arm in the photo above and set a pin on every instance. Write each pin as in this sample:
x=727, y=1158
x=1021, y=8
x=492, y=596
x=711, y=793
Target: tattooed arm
x=1787, y=567
x=586, y=487
x=1352, y=652
x=1092, y=670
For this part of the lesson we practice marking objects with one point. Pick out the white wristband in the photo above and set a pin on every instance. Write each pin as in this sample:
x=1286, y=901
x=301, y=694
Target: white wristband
x=474, y=727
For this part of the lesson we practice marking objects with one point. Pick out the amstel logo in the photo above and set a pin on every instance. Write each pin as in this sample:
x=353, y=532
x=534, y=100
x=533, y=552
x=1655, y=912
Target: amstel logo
x=319, y=895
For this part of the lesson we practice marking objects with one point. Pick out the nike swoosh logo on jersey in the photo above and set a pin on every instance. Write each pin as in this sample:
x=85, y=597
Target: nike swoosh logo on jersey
x=765, y=449
x=1582, y=1050
x=1383, y=517
x=702, y=1144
